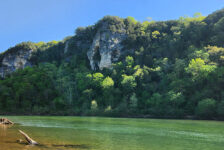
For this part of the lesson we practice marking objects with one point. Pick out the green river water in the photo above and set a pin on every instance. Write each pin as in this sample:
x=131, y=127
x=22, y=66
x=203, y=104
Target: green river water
x=96, y=133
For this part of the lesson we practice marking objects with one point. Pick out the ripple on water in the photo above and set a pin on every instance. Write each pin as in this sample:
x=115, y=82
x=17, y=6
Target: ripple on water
x=124, y=129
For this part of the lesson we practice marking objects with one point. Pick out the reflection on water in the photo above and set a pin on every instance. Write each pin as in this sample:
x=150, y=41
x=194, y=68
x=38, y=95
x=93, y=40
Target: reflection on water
x=3, y=129
x=92, y=133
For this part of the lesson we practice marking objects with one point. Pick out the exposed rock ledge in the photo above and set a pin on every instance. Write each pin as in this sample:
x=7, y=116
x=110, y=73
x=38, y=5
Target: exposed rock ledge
x=14, y=61
x=105, y=49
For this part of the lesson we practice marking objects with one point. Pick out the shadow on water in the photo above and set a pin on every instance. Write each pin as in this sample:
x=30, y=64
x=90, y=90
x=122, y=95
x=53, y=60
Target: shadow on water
x=77, y=146
x=26, y=144
x=3, y=129
x=72, y=146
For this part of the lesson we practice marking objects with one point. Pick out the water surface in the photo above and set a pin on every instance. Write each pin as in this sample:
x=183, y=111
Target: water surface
x=95, y=133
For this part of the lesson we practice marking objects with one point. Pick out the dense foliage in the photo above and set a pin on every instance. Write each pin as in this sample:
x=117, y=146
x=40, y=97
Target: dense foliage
x=175, y=71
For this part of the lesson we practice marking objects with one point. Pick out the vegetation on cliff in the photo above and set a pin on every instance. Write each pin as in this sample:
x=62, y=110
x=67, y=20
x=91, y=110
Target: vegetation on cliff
x=173, y=69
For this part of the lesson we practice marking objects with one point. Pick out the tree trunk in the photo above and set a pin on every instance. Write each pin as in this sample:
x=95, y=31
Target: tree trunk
x=28, y=139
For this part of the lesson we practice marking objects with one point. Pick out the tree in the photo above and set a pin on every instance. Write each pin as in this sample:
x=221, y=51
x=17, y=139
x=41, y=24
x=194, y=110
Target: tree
x=133, y=102
x=94, y=105
x=220, y=109
x=131, y=19
x=108, y=96
x=129, y=61
x=107, y=83
x=216, y=54
x=59, y=103
x=219, y=30
x=155, y=34
x=97, y=79
x=206, y=108
x=83, y=80
x=128, y=83
x=199, y=69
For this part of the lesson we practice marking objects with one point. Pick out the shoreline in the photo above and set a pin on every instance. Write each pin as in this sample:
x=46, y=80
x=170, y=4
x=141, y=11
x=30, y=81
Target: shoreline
x=122, y=117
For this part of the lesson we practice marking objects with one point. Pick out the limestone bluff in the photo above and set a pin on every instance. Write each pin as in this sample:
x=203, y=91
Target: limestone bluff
x=11, y=61
x=106, y=47
x=102, y=48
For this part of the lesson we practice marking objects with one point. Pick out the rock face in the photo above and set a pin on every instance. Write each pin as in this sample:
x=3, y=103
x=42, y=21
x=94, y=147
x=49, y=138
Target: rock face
x=102, y=50
x=66, y=47
x=106, y=48
x=14, y=61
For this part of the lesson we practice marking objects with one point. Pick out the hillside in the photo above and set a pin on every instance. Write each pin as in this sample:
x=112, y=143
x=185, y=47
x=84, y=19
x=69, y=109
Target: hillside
x=121, y=67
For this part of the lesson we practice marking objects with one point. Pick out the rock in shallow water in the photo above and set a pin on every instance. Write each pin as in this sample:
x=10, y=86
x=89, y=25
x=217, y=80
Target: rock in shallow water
x=5, y=121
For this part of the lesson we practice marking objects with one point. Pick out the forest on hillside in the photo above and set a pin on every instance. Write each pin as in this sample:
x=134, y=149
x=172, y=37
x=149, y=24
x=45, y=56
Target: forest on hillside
x=175, y=71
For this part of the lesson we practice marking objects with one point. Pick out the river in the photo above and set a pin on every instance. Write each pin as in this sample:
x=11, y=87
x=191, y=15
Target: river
x=97, y=133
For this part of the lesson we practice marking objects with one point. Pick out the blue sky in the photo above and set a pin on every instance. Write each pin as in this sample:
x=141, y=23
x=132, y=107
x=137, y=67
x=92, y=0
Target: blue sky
x=46, y=20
